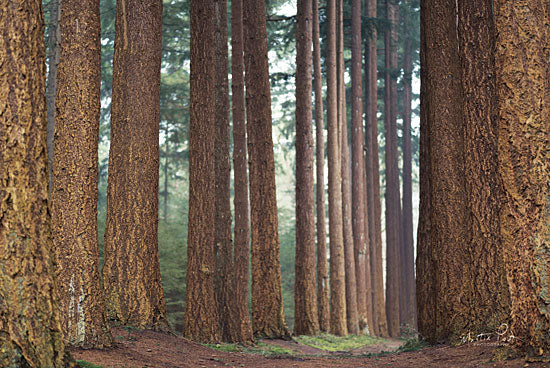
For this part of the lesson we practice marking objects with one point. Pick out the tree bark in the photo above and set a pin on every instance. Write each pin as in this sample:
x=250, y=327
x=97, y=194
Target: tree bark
x=267, y=301
x=30, y=326
x=243, y=331
x=392, y=183
x=201, y=312
x=380, y=326
x=75, y=175
x=305, y=296
x=523, y=91
x=131, y=247
x=322, y=268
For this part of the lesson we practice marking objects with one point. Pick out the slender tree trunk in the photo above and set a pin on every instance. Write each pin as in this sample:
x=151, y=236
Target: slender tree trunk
x=337, y=270
x=165, y=192
x=322, y=268
x=243, y=331
x=30, y=326
x=360, y=223
x=267, y=300
x=75, y=175
x=408, y=297
x=131, y=247
x=489, y=292
x=201, y=312
x=380, y=326
x=523, y=90
x=223, y=246
x=54, y=41
x=305, y=318
x=392, y=186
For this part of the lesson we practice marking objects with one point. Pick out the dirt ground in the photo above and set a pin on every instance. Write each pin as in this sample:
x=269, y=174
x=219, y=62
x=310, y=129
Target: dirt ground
x=140, y=349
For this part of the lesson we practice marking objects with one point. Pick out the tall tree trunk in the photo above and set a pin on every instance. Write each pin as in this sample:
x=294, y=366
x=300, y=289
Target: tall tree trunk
x=201, y=312
x=54, y=45
x=165, y=169
x=349, y=256
x=322, y=271
x=407, y=262
x=75, y=175
x=30, y=326
x=448, y=225
x=337, y=267
x=523, y=90
x=489, y=292
x=305, y=317
x=243, y=331
x=267, y=299
x=131, y=247
x=380, y=326
x=360, y=223
x=392, y=184
x=223, y=246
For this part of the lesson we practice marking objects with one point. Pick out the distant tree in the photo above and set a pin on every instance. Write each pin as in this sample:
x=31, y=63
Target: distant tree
x=392, y=197
x=201, y=312
x=322, y=268
x=75, y=175
x=131, y=272
x=337, y=264
x=267, y=300
x=305, y=295
x=374, y=217
x=523, y=95
x=243, y=331
x=30, y=326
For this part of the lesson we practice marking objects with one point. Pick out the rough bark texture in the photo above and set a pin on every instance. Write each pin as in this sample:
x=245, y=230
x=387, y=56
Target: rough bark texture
x=392, y=185
x=448, y=224
x=407, y=260
x=201, y=314
x=223, y=246
x=523, y=90
x=267, y=300
x=322, y=264
x=30, y=326
x=132, y=193
x=337, y=270
x=54, y=45
x=489, y=297
x=360, y=223
x=243, y=331
x=380, y=326
x=305, y=295
x=75, y=175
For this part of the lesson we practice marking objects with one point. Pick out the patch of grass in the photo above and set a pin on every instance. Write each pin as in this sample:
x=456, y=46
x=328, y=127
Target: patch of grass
x=85, y=364
x=333, y=343
x=260, y=348
x=413, y=344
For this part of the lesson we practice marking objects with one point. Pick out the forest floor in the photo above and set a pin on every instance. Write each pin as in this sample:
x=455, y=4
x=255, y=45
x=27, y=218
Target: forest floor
x=140, y=349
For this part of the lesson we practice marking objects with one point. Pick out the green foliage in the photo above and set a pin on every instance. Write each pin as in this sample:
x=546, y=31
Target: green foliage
x=413, y=344
x=260, y=348
x=329, y=342
x=85, y=364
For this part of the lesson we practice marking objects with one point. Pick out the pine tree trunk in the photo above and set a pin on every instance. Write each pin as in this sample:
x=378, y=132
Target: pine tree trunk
x=380, y=326
x=337, y=270
x=267, y=301
x=75, y=175
x=243, y=331
x=408, y=297
x=201, y=312
x=322, y=267
x=30, y=326
x=523, y=91
x=392, y=185
x=305, y=317
x=489, y=291
x=131, y=247
x=54, y=46
x=223, y=246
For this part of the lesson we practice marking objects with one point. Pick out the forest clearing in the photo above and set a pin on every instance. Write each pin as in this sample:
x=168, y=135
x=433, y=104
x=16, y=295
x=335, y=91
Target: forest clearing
x=274, y=183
